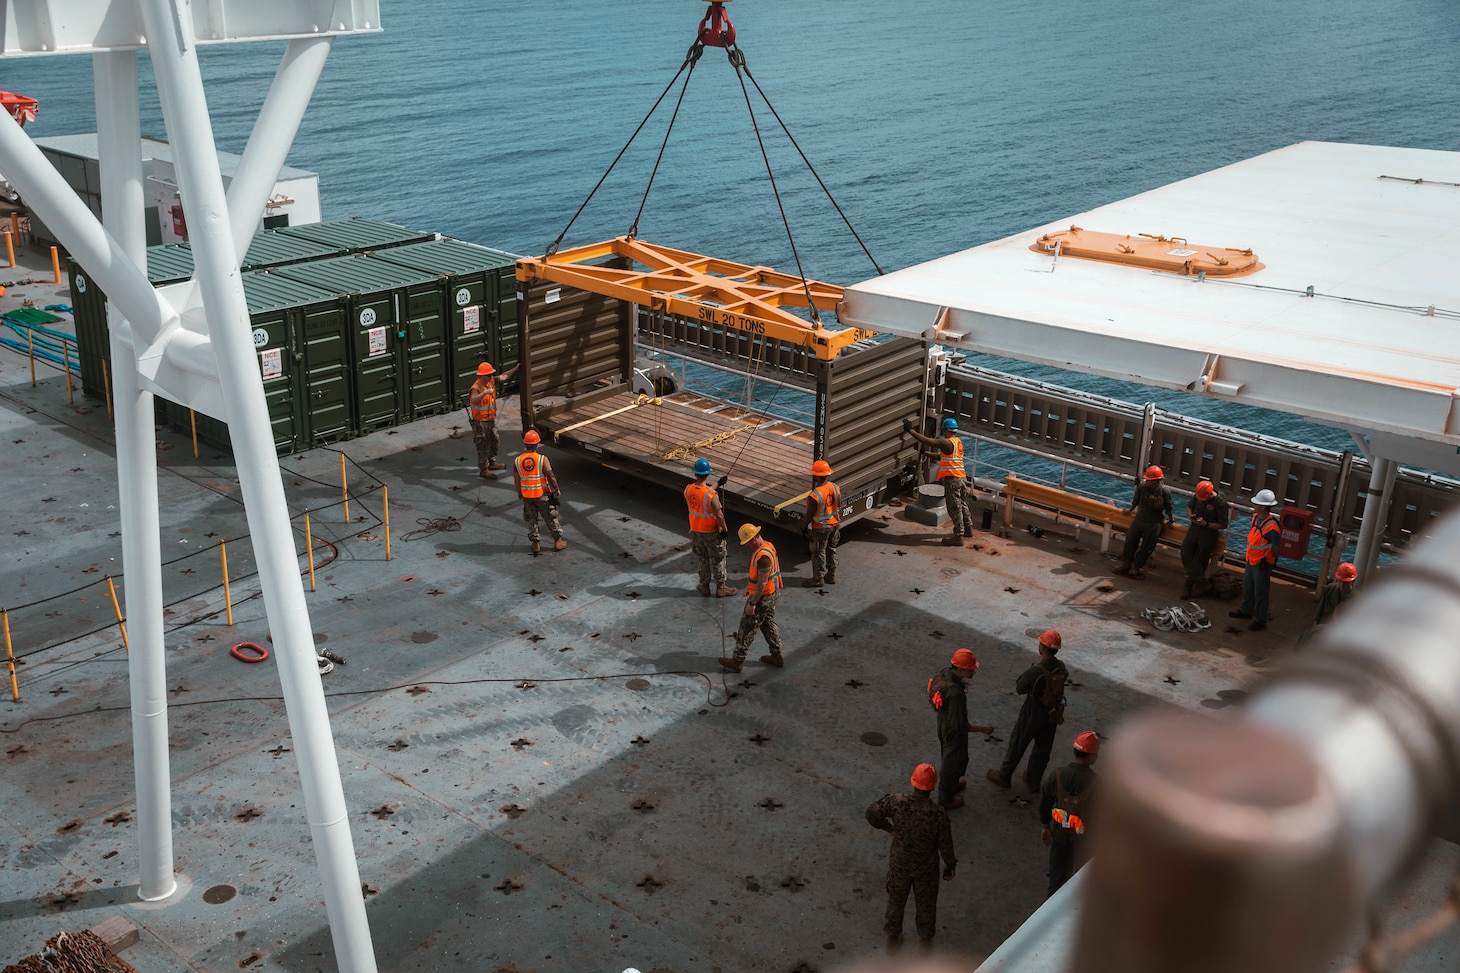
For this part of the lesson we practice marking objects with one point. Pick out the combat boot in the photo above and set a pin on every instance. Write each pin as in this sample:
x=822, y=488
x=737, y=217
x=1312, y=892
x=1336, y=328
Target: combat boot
x=775, y=659
x=894, y=943
x=925, y=945
x=494, y=465
x=704, y=589
x=488, y=475
x=812, y=583
x=725, y=591
x=997, y=778
x=831, y=577
x=954, y=541
x=956, y=801
x=536, y=547
x=559, y=544
x=730, y=664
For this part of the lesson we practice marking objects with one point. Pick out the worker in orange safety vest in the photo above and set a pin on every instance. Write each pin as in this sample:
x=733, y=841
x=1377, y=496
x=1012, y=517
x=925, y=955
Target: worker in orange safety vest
x=1262, y=553
x=761, y=595
x=538, y=488
x=823, y=525
x=952, y=476
x=708, y=531
x=1064, y=809
x=481, y=409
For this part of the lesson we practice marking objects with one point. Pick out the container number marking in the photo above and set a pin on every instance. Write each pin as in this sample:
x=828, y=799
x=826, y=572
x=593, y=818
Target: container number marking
x=80, y=284
x=260, y=337
x=463, y=297
x=367, y=317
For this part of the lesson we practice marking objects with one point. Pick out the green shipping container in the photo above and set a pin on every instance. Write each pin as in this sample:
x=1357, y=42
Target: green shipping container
x=397, y=336
x=354, y=235
x=480, y=287
x=165, y=265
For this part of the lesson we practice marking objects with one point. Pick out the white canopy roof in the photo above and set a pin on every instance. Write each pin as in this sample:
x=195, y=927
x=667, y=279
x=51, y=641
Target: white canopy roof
x=1375, y=349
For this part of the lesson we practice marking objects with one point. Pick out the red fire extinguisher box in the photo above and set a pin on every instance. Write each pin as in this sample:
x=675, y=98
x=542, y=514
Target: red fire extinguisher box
x=1297, y=525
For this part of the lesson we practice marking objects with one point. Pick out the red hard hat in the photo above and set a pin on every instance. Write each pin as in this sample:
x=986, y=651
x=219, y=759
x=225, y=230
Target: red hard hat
x=485, y=368
x=531, y=437
x=965, y=659
x=821, y=468
x=924, y=777
x=1205, y=490
x=1051, y=640
x=1154, y=473
x=1346, y=572
x=1088, y=742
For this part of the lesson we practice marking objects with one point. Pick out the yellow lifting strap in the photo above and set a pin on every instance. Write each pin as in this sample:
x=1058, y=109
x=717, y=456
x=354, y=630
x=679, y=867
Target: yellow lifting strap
x=641, y=400
x=722, y=293
x=776, y=510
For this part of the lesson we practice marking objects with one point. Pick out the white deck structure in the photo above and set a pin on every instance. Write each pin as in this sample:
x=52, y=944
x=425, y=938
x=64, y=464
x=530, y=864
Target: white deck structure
x=1354, y=320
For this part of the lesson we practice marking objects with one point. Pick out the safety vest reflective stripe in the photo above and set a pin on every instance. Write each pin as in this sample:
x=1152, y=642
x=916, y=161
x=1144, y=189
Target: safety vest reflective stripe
x=487, y=411
x=529, y=468
x=699, y=496
x=1259, y=540
x=828, y=498
x=1065, y=819
x=770, y=581
x=952, y=463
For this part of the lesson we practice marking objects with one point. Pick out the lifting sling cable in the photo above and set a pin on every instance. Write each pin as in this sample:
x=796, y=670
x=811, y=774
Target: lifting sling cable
x=810, y=168
x=689, y=62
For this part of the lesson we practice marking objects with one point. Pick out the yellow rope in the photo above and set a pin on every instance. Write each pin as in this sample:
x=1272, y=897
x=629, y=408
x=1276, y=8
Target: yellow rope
x=641, y=400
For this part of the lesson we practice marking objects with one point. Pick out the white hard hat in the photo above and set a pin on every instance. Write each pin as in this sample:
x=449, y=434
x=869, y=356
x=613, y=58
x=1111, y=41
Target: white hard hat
x=1264, y=498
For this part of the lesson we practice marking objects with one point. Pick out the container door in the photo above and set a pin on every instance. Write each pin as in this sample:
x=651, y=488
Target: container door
x=375, y=348
x=504, y=342
x=323, y=346
x=425, y=349
x=93, y=337
x=271, y=342
x=470, y=327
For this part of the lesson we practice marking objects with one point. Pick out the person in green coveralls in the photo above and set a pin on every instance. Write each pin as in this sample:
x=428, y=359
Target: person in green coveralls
x=1151, y=505
x=1208, y=516
x=1043, y=687
x=946, y=692
x=1064, y=808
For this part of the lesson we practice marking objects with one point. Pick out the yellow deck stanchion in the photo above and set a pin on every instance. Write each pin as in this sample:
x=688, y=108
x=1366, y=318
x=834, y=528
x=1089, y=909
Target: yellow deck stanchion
x=344, y=488
x=14, y=224
x=193, y=419
x=10, y=248
x=106, y=384
x=66, y=360
x=309, y=544
x=30, y=346
x=117, y=607
x=10, y=655
x=227, y=593
x=56, y=264
x=385, y=496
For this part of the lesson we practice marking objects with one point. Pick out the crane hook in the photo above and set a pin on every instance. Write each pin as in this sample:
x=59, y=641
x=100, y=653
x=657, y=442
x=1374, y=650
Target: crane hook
x=716, y=29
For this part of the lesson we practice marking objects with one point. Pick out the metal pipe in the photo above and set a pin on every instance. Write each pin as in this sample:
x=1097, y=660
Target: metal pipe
x=1376, y=515
x=169, y=32
x=119, y=142
x=273, y=133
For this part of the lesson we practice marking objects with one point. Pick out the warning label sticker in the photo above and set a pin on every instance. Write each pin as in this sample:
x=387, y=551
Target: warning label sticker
x=271, y=361
x=377, y=342
x=1181, y=253
x=471, y=318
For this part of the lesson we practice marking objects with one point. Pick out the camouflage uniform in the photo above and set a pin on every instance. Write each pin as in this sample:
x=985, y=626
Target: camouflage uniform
x=1077, y=780
x=952, y=730
x=535, y=507
x=920, y=833
x=709, y=550
x=822, y=543
x=763, y=619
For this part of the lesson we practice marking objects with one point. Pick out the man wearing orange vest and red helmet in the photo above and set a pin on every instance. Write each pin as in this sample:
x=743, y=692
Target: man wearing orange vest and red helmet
x=1043, y=687
x=481, y=409
x=538, y=488
x=823, y=520
x=1064, y=808
x=1262, y=553
x=1151, y=505
x=947, y=693
x=761, y=595
x=920, y=834
x=708, y=530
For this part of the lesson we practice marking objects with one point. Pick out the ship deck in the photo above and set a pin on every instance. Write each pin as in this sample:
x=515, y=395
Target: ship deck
x=544, y=766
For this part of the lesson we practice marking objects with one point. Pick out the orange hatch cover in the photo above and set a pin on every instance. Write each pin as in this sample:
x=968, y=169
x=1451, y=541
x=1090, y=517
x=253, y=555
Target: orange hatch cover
x=1150, y=251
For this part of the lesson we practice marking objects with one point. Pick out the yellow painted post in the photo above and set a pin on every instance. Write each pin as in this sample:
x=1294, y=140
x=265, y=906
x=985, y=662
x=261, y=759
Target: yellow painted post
x=56, y=263
x=10, y=656
x=227, y=593
x=309, y=543
x=10, y=246
x=385, y=494
x=193, y=420
x=106, y=384
x=30, y=344
x=117, y=607
x=14, y=224
x=66, y=360
x=344, y=488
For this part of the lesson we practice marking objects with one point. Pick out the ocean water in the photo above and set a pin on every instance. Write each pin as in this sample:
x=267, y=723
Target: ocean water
x=937, y=124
